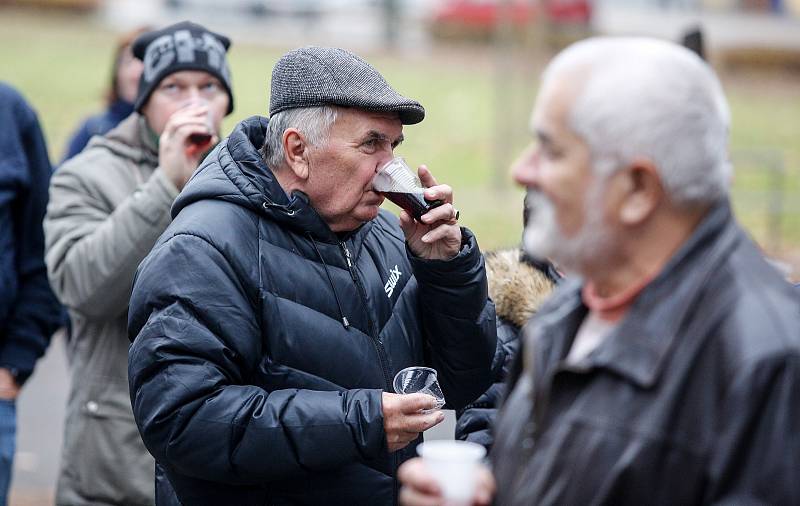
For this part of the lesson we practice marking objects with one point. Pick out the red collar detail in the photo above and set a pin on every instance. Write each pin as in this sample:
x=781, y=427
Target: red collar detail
x=612, y=308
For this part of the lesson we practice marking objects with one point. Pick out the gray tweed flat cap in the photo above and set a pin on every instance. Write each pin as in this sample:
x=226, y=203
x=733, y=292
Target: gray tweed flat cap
x=314, y=76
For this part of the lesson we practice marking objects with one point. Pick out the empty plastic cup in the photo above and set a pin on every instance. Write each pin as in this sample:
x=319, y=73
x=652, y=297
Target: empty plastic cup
x=422, y=380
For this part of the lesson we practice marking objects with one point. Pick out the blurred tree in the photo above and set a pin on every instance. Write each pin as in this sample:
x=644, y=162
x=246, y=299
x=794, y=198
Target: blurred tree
x=391, y=18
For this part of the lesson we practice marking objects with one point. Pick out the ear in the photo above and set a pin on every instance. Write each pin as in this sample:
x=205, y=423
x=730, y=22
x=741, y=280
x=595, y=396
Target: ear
x=295, y=149
x=642, y=192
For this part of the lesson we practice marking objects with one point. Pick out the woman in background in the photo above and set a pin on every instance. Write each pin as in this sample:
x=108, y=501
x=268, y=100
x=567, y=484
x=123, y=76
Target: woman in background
x=125, y=73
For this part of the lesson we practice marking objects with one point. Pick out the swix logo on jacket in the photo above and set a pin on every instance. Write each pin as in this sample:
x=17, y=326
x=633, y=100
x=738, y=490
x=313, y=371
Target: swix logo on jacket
x=394, y=277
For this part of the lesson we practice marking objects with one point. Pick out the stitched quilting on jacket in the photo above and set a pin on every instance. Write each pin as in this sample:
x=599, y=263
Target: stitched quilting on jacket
x=262, y=340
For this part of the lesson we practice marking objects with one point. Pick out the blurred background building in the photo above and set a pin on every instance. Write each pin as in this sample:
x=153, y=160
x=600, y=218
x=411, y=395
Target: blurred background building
x=474, y=64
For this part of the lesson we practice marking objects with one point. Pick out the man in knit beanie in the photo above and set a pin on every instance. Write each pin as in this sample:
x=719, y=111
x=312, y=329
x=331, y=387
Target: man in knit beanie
x=108, y=205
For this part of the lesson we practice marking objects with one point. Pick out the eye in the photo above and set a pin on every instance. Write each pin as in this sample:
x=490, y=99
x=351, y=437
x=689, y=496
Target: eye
x=169, y=87
x=551, y=152
x=371, y=145
x=211, y=87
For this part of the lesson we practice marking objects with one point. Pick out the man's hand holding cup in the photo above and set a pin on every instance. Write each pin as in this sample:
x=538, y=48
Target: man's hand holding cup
x=187, y=136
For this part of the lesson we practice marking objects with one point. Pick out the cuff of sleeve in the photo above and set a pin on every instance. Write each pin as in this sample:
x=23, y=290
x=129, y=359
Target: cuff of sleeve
x=170, y=191
x=20, y=361
x=457, y=287
x=461, y=269
x=365, y=416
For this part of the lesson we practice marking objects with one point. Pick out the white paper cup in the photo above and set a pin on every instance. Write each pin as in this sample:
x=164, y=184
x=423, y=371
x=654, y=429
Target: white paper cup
x=454, y=465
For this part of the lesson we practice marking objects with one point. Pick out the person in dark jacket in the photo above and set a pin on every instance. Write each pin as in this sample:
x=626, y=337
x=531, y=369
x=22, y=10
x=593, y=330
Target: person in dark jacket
x=667, y=370
x=126, y=70
x=270, y=318
x=518, y=285
x=29, y=312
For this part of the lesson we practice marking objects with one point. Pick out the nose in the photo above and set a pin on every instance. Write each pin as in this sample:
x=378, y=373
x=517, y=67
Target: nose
x=194, y=94
x=525, y=171
x=386, y=157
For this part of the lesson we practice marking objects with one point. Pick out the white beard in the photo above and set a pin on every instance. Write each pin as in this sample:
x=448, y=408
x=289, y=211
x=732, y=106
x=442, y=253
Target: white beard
x=541, y=232
x=590, y=246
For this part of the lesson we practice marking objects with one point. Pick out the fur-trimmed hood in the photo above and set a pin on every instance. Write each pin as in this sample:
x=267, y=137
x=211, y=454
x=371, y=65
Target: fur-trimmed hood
x=516, y=287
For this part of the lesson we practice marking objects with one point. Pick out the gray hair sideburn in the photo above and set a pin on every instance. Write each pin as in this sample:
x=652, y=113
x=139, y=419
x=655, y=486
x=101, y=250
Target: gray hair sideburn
x=313, y=122
x=653, y=99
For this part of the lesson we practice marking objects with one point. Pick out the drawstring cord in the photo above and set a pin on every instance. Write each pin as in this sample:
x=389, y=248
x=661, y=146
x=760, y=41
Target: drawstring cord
x=267, y=205
x=345, y=322
x=286, y=209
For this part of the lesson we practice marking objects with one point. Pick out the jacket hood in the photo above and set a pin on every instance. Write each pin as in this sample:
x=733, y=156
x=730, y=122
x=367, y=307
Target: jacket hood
x=235, y=172
x=130, y=139
x=516, y=287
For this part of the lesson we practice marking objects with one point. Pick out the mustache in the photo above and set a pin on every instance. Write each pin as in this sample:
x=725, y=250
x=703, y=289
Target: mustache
x=535, y=201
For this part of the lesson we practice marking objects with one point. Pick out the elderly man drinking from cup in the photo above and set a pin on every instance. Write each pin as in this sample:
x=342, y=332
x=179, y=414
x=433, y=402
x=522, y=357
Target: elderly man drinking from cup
x=266, y=332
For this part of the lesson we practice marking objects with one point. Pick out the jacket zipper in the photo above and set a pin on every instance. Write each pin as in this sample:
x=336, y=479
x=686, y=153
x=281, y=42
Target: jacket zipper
x=378, y=347
x=372, y=327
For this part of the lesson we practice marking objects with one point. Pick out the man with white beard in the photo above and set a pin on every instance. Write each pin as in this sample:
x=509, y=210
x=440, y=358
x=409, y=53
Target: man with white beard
x=667, y=370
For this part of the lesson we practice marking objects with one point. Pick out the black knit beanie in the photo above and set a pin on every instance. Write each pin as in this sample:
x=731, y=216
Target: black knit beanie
x=182, y=46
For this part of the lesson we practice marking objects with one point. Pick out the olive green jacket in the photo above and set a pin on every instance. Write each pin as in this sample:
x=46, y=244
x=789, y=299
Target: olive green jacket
x=108, y=205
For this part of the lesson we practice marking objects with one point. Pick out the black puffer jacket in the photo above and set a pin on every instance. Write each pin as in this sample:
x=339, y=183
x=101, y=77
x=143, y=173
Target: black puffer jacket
x=263, y=341
x=518, y=287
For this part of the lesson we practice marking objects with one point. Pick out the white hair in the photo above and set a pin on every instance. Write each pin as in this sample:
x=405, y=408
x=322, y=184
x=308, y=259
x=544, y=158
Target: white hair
x=646, y=98
x=313, y=122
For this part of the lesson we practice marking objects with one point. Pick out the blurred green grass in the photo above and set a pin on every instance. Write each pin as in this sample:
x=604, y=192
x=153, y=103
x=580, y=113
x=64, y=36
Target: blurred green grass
x=61, y=64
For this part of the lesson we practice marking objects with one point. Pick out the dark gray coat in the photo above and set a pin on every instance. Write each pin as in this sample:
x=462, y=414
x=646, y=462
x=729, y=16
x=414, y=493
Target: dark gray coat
x=693, y=399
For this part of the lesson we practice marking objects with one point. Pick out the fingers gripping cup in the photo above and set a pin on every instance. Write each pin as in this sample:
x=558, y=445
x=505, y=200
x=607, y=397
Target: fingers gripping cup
x=454, y=465
x=398, y=183
x=421, y=380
